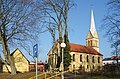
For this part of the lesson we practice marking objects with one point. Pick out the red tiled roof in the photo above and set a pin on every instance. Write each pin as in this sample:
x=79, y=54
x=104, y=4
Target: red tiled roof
x=83, y=49
x=115, y=57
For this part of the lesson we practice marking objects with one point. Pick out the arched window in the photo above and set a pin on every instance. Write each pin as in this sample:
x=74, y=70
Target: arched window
x=91, y=43
x=73, y=57
x=98, y=59
x=93, y=67
x=80, y=66
x=80, y=58
x=73, y=67
x=93, y=59
x=87, y=59
x=87, y=66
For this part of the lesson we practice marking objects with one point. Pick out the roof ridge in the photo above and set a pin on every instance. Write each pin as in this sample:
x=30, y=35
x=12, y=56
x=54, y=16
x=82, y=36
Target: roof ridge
x=77, y=44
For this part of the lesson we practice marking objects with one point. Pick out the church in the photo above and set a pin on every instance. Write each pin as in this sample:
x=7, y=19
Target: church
x=85, y=57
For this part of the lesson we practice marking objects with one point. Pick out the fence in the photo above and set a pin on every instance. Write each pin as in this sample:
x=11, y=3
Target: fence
x=44, y=75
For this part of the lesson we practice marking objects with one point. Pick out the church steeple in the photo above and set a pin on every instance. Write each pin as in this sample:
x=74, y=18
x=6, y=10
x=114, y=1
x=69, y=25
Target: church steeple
x=92, y=24
x=92, y=38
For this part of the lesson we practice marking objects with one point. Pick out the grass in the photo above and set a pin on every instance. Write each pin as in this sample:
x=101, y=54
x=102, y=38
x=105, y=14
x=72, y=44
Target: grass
x=17, y=76
x=21, y=75
x=31, y=74
x=101, y=77
x=96, y=77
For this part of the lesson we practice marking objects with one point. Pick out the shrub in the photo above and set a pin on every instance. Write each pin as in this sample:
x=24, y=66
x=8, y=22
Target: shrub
x=111, y=70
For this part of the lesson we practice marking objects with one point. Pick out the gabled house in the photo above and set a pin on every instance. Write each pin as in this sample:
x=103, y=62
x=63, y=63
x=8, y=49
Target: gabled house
x=21, y=62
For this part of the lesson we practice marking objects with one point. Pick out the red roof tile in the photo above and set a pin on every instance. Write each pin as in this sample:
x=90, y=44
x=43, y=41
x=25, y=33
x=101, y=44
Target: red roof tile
x=115, y=57
x=83, y=49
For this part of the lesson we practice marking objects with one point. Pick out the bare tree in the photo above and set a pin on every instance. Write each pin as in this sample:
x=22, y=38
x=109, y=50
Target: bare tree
x=56, y=16
x=19, y=24
x=53, y=11
x=56, y=12
x=112, y=23
x=116, y=52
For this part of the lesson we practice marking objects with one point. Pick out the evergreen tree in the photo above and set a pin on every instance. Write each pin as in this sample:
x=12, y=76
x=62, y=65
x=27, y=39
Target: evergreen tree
x=67, y=56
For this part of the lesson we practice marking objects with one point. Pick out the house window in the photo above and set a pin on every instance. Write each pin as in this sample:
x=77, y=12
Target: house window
x=87, y=66
x=80, y=66
x=73, y=57
x=87, y=59
x=80, y=58
x=93, y=59
x=73, y=67
x=91, y=42
x=93, y=67
x=98, y=59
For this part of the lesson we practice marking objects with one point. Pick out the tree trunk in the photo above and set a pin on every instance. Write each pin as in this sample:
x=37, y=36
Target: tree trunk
x=60, y=37
x=8, y=58
x=12, y=66
x=11, y=60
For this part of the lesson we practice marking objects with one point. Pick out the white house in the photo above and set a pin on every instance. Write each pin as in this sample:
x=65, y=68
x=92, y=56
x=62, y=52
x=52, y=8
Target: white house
x=111, y=60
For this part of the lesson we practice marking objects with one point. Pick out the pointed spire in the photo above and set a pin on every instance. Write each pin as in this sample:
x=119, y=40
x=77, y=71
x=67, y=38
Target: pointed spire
x=92, y=24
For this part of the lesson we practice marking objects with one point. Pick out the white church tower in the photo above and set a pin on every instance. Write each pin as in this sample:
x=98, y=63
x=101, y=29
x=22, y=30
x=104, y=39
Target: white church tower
x=92, y=37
